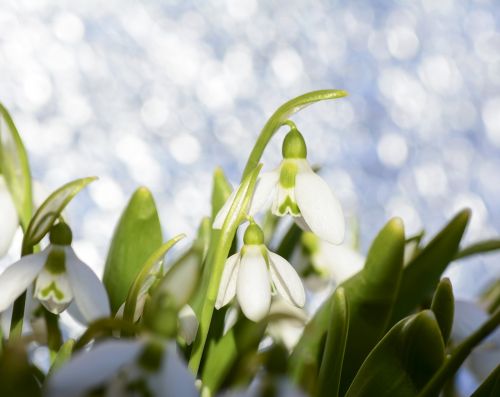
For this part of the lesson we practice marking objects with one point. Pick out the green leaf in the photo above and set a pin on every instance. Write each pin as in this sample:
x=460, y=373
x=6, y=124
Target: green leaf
x=63, y=356
x=422, y=274
x=280, y=116
x=491, y=385
x=51, y=210
x=371, y=295
x=137, y=235
x=222, y=355
x=336, y=340
x=15, y=167
x=443, y=306
x=146, y=271
x=221, y=189
x=403, y=361
x=290, y=241
x=481, y=247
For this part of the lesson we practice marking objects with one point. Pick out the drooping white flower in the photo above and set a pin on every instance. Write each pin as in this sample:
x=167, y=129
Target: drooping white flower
x=58, y=276
x=468, y=317
x=124, y=368
x=8, y=216
x=288, y=323
x=295, y=189
x=254, y=274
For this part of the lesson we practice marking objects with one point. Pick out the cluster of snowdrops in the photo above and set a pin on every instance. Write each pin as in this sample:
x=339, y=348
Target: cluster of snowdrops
x=287, y=307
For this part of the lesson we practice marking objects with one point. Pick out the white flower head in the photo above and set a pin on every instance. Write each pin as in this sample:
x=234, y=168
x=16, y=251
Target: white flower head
x=125, y=367
x=9, y=217
x=254, y=274
x=59, y=277
x=295, y=189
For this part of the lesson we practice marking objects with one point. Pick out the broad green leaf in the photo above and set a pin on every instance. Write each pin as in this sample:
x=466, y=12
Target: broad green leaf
x=51, y=210
x=290, y=241
x=137, y=235
x=458, y=355
x=422, y=274
x=147, y=270
x=403, y=361
x=280, y=116
x=336, y=339
x=491, y=385
x=371, y=295
x=216, y=258
x=443, y=306
x=221, y=189
x=63, y=356
x=14, y=166
x=481, y=247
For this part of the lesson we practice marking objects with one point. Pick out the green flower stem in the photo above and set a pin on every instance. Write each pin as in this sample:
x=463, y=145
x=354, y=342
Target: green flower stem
x=104, y=326
x=218, y=259
x=54, y=337
x=279, y=118
x=458, y=356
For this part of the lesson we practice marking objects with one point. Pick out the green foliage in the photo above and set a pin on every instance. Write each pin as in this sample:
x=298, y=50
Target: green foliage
x=443, y=306
x=137, y=235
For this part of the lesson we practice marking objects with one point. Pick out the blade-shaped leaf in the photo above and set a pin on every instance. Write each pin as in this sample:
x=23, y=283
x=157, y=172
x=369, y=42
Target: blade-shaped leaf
x=491, y=385
x=403, y=361
x=371, y=295
x=481, y=247
x=422, y=274
x=51, y=209
x=15, y=167
x=443, y=306
x=336, y=339
x=137, y=235
x=63, y=356
x=221, y=189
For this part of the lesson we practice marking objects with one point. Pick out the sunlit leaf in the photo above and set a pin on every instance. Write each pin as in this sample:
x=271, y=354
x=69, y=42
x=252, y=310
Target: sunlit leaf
x=443, y=307
x=14, y=166
x=481, y=247
x=137, y=235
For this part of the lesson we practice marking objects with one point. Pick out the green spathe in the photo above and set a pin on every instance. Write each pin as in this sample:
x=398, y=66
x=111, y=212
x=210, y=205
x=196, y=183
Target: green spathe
x=137, y=235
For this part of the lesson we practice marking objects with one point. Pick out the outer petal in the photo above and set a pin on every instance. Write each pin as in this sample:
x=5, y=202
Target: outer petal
x=286, y=280
x=253, y=288
x=177, y=379
x=263, y=191
x=319, y=207
x=222, y=214
x=89, y=293
x=17, y=277
x=188, y=324
x=8, y=215
x=338, y=261
x=227, y=286
x=87, y=370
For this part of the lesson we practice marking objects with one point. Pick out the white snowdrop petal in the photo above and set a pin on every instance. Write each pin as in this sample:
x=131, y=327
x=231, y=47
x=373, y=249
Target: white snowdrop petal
x=89, y=293
x=299, y=220
x=17, y=277
x=222, y=214
x=87, y=370
x=8, y=215
x=263, y=191
x=286, y=280
x=188, y=324
x=253, y=288
x=319, y=207
x=227, y=286
x=177, y=378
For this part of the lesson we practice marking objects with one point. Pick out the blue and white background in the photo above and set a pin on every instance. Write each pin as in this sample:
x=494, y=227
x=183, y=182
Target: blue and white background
x=159, y=93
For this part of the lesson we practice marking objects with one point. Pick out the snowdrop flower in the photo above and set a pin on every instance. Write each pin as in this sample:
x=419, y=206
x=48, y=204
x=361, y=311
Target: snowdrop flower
x=8, y=215
x=254, y=274
x=124, y=368
x=484, y=358
x=59, y=277
x=289, y=324
x=296, y=190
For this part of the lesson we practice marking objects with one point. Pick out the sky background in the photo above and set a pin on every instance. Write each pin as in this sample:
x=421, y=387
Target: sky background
x=159, y=93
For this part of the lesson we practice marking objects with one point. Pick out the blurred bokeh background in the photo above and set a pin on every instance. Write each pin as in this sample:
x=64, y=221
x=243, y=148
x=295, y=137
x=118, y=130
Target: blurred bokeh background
x=159, y=93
